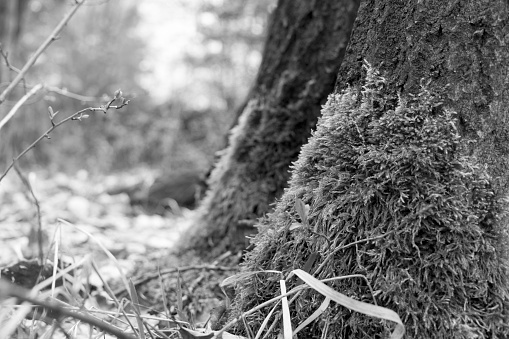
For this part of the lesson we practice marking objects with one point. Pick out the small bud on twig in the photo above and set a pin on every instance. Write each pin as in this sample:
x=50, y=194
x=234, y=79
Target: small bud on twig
x=51, y=113
x=118, y=94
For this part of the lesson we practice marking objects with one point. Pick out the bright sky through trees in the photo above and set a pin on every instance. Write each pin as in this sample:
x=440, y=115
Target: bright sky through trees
x=169, y=29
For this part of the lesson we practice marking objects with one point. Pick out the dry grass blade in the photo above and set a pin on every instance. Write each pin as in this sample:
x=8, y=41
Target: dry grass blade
x=287, y=324
x=355, y=305
x=180, y=302
x=137, y=311
x=9, y=327
x=107, y=287
x=105, y=250
x=163, y=294
x=248, y=328
x=55, y=258
x=266, y=321
x=313, y=316
x=179, y=293
x=61, y=273
x=56, y=308
x=260, y=306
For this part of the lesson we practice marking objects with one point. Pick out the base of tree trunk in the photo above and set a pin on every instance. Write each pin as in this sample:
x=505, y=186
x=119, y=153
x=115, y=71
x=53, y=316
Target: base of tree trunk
x=391, y=197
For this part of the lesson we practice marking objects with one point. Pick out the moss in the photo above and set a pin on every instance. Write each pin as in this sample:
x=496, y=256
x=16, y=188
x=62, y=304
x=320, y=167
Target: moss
x=390, y=168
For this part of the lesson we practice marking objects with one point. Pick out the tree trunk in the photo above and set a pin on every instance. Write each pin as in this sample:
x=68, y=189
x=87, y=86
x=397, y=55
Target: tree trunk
x=459, y=47
x=405, y=180
x=306, y=43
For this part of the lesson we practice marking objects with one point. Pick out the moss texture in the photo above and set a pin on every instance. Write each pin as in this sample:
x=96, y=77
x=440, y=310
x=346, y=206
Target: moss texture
x=460, y=47
x=389, y=169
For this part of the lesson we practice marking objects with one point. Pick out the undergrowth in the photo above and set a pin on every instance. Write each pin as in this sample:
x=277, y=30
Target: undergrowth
x=388, y=173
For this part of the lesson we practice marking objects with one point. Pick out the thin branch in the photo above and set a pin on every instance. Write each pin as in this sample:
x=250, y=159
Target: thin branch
x=53, y=36
x=66, y=93
x=5, y=56
x=76, y=116
x=61, y=91
x=20, y=102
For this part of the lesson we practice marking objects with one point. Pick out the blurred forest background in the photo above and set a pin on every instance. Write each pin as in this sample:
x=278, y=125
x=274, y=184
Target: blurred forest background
x=187, y=65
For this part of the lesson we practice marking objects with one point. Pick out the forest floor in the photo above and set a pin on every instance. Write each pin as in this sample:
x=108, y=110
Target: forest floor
x=80, y=220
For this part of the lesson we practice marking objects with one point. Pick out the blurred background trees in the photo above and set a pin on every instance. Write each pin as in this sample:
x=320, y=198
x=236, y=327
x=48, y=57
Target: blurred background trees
x=186, y=64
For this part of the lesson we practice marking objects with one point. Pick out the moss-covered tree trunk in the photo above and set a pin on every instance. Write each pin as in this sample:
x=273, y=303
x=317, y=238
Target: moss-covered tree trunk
x=459, y=47
x=405, y=179
x=306, y=43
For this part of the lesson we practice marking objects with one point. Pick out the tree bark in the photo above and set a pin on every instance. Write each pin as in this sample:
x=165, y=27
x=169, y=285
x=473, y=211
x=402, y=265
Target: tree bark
x=459, y=47
x=405, y=180
x=306, y=43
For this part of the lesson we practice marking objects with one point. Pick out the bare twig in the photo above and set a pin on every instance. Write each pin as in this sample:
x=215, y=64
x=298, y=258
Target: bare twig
x=27, y=184
x=53, y=36
x=76, y=116
x=20, y=102
x=5, y=56
x=57, y=311
x=61, y=91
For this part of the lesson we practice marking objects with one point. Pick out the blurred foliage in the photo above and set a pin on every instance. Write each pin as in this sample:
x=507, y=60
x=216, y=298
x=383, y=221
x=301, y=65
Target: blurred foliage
x=101, y=50
x=231, y=32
